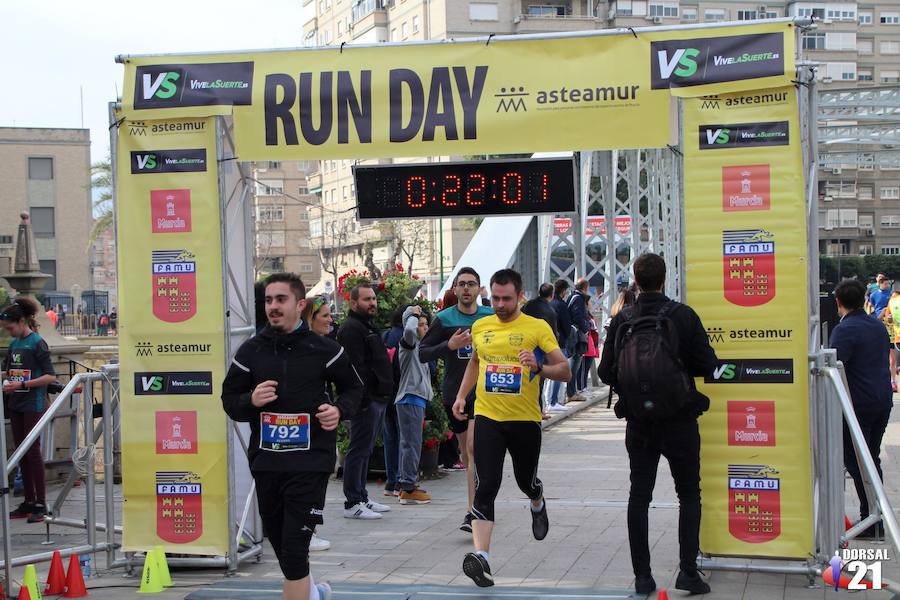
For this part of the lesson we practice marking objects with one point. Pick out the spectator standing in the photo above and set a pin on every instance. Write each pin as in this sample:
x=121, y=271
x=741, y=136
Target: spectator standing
x=659, y=400
x=103, y=323
x=540, y=308
x=113, y=321
x=390, y=434
x=564, y=335
x=369, y=356
x=413, y=395
x=54, y=318
x=862, y=346
x=581, y=325
x=27, y=371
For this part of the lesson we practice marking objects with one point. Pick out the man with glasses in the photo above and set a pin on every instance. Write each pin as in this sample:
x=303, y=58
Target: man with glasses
x=450, y=338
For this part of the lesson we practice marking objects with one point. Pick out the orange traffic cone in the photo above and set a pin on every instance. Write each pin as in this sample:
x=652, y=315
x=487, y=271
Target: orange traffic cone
x=75, y=580
x=662, y=594
x=23, y=593
x=56, y=579
x=847, y=523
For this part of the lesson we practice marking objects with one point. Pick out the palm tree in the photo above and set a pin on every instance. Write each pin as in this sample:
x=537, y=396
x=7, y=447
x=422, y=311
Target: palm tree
x=101, y=179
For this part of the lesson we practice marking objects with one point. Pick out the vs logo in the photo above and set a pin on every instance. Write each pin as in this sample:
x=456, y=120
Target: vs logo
x=161, y=85
x=683, y=62
x=146, y=161
x=153, y=383
x=718, y=136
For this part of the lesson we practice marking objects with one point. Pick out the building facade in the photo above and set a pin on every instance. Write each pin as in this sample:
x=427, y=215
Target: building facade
x=281, y=220
x=47, y=173
x=857, y=45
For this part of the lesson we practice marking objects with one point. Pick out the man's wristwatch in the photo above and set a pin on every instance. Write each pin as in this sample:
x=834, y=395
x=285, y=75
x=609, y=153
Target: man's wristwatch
x=22, y=385
x=540, y=368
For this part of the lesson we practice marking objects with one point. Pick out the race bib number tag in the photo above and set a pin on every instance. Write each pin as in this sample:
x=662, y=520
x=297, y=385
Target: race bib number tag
x=281, y=432
x=503, y=379
x=18, y=376
x=464, y=353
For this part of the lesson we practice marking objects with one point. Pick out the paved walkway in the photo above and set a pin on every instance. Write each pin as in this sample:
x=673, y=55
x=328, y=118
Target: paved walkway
x=585, y=472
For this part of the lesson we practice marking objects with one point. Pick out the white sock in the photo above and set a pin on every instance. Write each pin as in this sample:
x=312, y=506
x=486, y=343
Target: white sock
x=313, y=590
x=484, y=555
x=537, y=509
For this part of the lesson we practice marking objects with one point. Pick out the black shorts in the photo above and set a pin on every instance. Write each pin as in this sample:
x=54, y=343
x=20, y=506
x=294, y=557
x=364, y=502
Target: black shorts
x=457, y=426
x=291, y=505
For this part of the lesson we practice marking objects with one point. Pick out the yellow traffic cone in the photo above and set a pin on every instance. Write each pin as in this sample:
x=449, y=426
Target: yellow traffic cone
x=165, y=577
x=150, y=579
x=30, y=581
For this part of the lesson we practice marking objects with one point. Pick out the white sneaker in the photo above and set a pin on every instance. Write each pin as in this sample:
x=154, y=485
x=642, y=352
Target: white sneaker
x=376, y=507
x=557, y=408
x=317, y=544
x=324, y=591
x=360, y=511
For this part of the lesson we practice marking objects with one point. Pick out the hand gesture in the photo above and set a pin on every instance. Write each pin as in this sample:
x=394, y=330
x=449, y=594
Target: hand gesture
x=329, y=416
x=527, y=359
x=11, y=386
x=460, y=339
x=459, y=410
x=264, y=393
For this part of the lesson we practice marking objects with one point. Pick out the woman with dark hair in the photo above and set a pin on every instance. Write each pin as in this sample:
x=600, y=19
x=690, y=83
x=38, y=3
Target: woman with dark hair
x=26, y=373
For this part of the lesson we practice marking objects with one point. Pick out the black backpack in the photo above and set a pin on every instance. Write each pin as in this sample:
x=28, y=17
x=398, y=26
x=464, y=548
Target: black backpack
x=650, y=377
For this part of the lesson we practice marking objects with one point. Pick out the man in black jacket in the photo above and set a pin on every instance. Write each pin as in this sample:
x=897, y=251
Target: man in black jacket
x=578, y=312
x=677, y=438
x=277, y=383
x=367, y=352
x=563, y=334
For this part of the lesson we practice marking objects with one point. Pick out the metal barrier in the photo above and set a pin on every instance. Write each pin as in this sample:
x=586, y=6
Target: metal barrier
x=82, y=383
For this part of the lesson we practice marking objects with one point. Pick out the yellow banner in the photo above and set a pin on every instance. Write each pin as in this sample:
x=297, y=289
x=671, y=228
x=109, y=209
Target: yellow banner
x=508, y=95
x=746, y=274
x=171, y=337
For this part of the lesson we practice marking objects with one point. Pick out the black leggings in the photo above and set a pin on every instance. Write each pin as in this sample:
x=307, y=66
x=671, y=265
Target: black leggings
x=492, y=440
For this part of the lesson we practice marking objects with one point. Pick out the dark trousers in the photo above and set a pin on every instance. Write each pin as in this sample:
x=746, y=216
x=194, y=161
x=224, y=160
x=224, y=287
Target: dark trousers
x=492, y=440
x=679, y=442
x=873, y=422
x=575, y=365
x=32, y=465
x=391, y=438
x=364, y=428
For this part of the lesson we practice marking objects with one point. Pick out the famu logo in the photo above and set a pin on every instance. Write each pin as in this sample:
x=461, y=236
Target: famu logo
x=752, y=370
x=744, y=135
x=207, y=84
x=174, y=383
x=168, y=161
x=681, y=63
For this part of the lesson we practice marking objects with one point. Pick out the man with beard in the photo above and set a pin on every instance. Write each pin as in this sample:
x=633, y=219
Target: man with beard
x=277, y=384
x=450, y=338
x=510, y=353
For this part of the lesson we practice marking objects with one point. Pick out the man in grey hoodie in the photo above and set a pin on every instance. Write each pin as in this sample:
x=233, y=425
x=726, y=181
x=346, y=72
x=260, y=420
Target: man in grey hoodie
x=413, y=394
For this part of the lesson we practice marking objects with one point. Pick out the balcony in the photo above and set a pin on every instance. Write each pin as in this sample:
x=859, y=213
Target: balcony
x=364, y=8
x=526, y=23
x=314, y=182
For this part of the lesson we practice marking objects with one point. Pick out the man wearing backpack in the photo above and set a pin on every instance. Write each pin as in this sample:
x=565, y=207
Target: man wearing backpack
x=653, y=351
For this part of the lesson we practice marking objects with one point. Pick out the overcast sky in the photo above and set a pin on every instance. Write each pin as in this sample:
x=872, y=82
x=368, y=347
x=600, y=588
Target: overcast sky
x=52, y=49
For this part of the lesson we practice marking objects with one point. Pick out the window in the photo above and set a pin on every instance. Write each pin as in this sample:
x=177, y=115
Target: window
x=866, y=221
x=714, y=14
x=813, y=41
x=40, y=168
x=309, y=40
x=483, y=11
x=890, y=18
x=340, y=27
x=811, y=13
x=43, y=222
x=303, y=190
x=269, y=187
x=889, y=193
x=865, y=192
x=270, y=239
x=272, y=265
x=833, y=219
x=865, y=161
x=890, y=250
x=769, y=14
x=344, y=194
x=315, y=228
x=306, y=268
x=269, y=214
x=547, y=11
x=864, y=75
x=865, y=18
x=866, y=250
x=302, y=243
x=890, y=221
x=303, y=214
x=840, y=41
x=823, y=216
x=848, y=217
x=890, y=77
x=274, y=164
x=663, y=10
x=746, y=15
x=393, y=37
x=840, y=71
x=841, y=189
x=404, y=31
x=837, y=14
x=890, y=47
x=49, y=267
x=689, y=14
x=864, y=46
x=6, y=240
x=415, y=24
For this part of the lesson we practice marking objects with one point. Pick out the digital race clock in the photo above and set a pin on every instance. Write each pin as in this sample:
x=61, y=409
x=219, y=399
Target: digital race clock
x=457, y=189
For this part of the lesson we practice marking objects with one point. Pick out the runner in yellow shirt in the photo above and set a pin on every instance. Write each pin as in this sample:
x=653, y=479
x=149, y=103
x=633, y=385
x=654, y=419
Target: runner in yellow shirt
x=510, y=351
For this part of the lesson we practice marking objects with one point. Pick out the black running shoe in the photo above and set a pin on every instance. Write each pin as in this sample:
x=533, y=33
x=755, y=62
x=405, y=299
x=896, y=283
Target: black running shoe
x=478, y=570
x=22, y=512
x=467, y=523
x=38, y=512
x=644, y=584
x=692, y=584
x=540, y=524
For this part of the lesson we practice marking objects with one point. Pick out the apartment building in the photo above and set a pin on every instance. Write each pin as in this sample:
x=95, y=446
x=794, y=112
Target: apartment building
x=47, y=173
x=855, y=44
x=281, y=220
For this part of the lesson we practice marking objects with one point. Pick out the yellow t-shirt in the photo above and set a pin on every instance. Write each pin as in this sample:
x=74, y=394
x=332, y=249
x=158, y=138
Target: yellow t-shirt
x=505, y=390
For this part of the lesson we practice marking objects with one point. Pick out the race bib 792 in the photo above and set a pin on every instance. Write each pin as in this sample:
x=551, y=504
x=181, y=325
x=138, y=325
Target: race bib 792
x=284, y=432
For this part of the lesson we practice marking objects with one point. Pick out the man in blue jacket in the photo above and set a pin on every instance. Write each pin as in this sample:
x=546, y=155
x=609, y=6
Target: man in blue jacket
x=862, y=344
